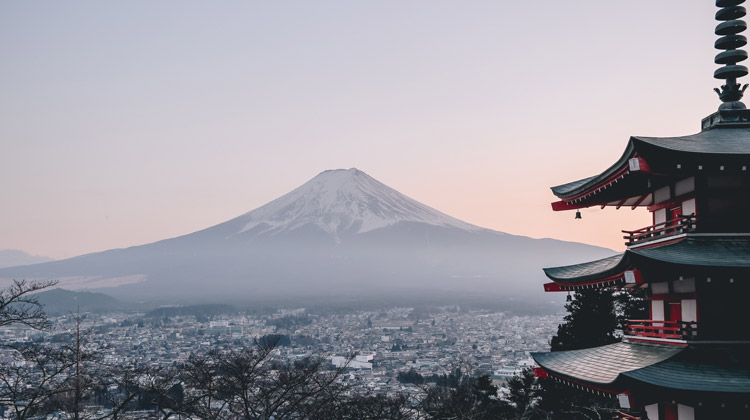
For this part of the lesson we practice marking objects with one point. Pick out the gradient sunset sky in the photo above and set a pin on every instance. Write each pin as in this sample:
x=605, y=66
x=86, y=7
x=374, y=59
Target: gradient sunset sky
x=123, y=123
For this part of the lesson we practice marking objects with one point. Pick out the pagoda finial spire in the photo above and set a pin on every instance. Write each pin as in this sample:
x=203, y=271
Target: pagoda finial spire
x=729, y=29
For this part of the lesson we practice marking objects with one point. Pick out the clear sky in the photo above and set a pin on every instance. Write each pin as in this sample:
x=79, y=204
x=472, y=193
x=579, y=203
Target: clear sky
x=122, y=123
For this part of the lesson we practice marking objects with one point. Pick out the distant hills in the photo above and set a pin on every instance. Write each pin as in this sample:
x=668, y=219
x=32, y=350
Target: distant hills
x=205, y=311
x=16, y=257
x=343, y=233
x=60, y=301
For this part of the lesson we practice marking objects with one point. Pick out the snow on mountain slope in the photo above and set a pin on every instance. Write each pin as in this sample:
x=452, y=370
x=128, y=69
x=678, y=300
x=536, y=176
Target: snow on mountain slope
x=342, y=233
x=344, y=200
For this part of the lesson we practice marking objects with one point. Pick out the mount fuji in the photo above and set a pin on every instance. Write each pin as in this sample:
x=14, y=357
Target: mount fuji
x=342, y=232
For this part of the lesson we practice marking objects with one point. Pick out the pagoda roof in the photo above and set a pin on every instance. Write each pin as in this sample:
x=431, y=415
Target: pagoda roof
x=623, y=182
x=704, y=368
x=700, y=251
x=700, y=369
x=589, y=271
x=690, y=250
x=603, y=365
x=720, y=141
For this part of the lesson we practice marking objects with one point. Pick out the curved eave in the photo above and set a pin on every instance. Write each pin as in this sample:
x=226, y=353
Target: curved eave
x=605, y=270
x=704, y=370
x=602, y=366
x=698, y=252
x=576, y=188
x=614, y=186
x=690, y=251
x=628, y=186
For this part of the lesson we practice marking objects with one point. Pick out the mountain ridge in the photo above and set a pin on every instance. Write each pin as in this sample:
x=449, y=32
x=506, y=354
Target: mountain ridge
x=350, y=201
x=17, y=257
x=340, y=232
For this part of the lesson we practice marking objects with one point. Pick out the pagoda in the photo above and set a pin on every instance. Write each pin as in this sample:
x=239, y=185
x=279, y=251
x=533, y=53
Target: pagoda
x=691, y=358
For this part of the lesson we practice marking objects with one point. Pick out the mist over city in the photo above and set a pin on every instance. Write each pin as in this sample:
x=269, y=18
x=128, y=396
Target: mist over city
x=482, y=210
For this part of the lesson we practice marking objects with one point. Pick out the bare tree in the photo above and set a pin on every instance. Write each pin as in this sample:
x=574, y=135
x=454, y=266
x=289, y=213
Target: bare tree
x=162, y=390
x=204, y=391
x=362, y=407
x=117, y=388
x=242, y=372
x=247, y=383
x=81, y=376
x=18, y=305
x=33, y=379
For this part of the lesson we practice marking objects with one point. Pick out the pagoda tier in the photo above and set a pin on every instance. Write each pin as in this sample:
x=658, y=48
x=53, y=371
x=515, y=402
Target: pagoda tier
x=651, y=163
x=696, y=285
x=702, y=382
x=687, y=255
x=691, y=358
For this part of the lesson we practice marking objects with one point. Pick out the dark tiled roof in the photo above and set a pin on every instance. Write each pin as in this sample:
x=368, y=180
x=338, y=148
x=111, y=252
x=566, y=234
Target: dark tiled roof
x=588, y=271
x=722, y=141
x=602, y=365
x=718, y=141
x=565, y=189
x=701, y=369
x=701, y=251
x=693, y=251
x=572, y=188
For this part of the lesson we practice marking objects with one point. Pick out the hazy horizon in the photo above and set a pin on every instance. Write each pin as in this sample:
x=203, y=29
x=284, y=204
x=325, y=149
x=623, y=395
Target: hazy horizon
x=128, y=123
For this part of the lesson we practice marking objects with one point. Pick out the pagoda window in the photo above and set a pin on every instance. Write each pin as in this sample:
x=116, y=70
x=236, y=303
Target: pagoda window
x=689, y=318
x=652, y=411
x=660, y=217
x=685, y=412
x=684, y=285
x=657, y=311
x=688, y=207
x=661, y=288
x=689, y=309
x=684, y=186
x=662, y=194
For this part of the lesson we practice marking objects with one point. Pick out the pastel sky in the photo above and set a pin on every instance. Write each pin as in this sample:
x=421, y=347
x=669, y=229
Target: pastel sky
x=122, y=123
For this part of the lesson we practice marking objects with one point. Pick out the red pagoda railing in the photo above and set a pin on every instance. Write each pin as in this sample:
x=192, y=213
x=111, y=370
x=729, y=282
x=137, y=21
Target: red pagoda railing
x=676, y=226
x=680, y=330
x=624, y=416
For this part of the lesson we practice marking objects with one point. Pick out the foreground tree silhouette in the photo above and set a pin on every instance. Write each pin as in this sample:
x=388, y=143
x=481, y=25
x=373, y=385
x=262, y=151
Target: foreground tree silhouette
x=22, y=390
x=594, y=319
x=591, y=321
x=245, y=383
x=18, y=305
x=30, y=383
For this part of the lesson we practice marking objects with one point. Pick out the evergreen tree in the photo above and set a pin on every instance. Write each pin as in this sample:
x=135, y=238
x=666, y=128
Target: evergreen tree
x=594, y=318
x=591, y=321
x=630, y=305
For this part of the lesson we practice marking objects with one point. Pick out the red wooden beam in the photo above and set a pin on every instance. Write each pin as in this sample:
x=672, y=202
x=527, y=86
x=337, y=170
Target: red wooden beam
x=640, y=200
x=552, y=287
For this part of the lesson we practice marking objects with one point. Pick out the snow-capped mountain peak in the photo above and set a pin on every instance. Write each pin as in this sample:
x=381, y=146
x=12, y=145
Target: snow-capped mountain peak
x=344, y=200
